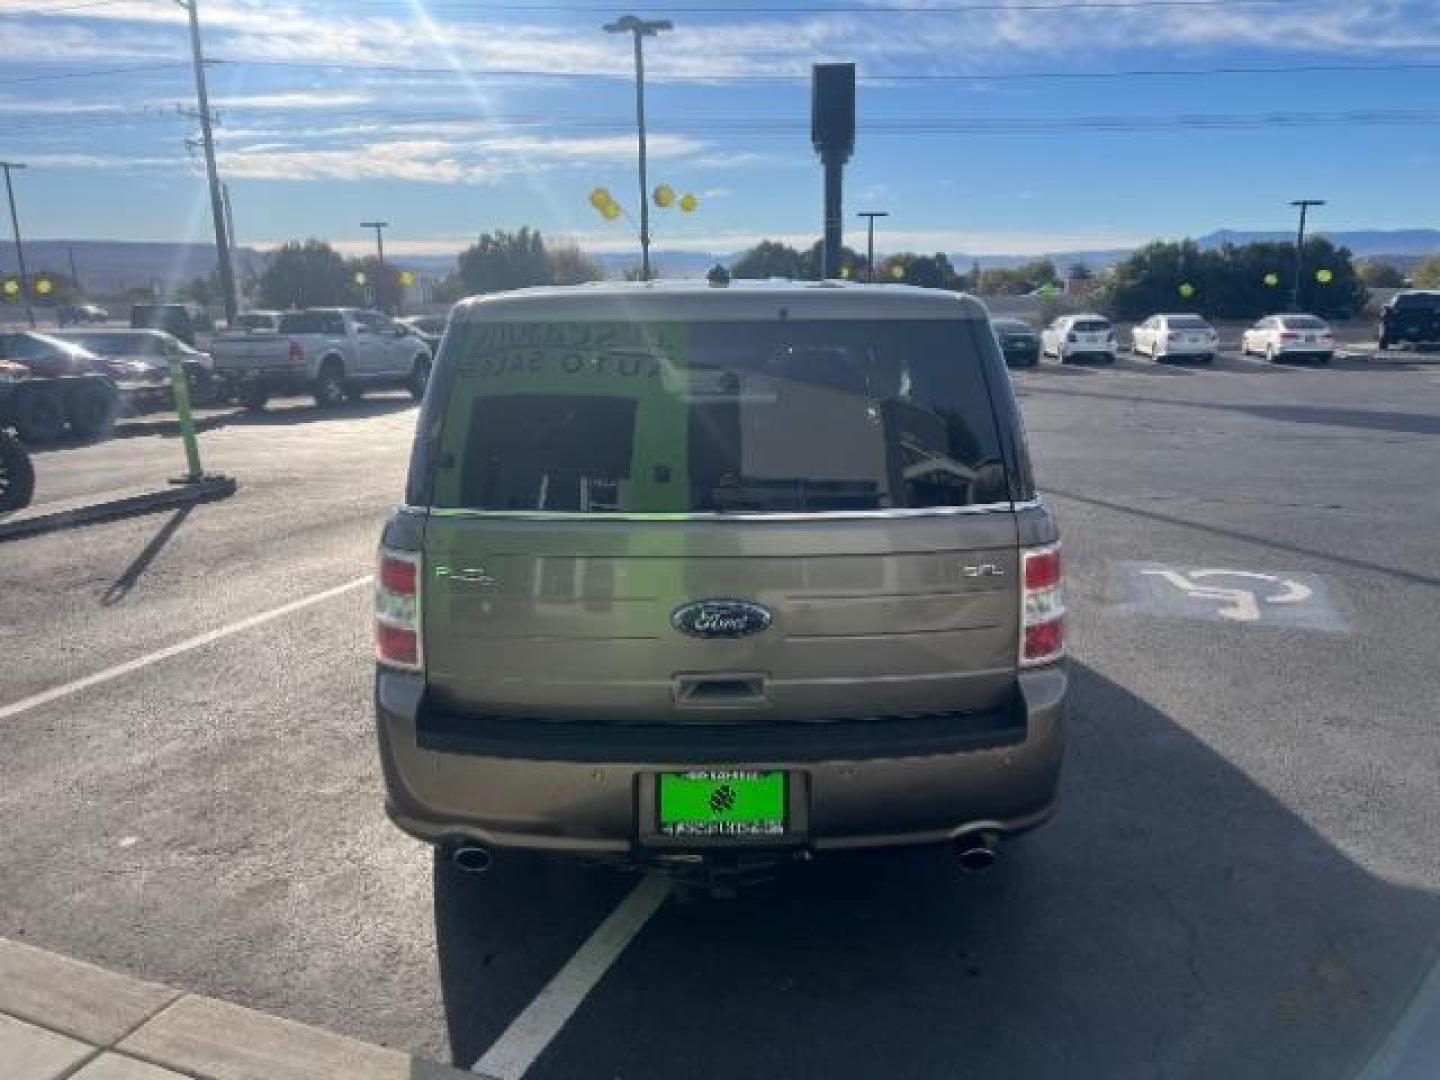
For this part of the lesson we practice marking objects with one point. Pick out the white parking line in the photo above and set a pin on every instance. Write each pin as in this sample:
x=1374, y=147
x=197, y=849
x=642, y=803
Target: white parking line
x=46, y=696
x=530, y=1032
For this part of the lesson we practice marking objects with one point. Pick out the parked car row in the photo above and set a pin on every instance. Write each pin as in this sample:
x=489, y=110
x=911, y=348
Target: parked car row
x=1163, y=337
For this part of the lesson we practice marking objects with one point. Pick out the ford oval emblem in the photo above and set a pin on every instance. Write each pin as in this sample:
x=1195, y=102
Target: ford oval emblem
x=720, y=619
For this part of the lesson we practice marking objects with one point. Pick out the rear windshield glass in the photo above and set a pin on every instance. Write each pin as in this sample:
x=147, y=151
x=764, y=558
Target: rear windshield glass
x=1417, y=300
x=716, y=418
x=312, y=322
x=1303, y=322
x=1090, y=326
x=1187, y=322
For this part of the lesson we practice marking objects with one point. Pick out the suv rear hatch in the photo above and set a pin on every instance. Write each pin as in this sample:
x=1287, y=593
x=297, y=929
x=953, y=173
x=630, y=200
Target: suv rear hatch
x=588, y=481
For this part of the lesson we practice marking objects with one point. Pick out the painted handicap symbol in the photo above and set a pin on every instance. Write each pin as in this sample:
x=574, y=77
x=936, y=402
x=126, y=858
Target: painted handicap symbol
x=1238, y=604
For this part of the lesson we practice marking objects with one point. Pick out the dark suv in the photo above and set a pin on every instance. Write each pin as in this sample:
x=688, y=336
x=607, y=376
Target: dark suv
x=685, y=572
x=1410, y=318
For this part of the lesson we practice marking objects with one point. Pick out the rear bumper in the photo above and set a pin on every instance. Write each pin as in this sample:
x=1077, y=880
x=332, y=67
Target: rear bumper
x=578, y=788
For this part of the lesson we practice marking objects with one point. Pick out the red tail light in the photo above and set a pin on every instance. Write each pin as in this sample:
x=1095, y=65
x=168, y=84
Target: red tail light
x=297, y=354
x=1287, y=336
x=397, y=610
x=1042, y=610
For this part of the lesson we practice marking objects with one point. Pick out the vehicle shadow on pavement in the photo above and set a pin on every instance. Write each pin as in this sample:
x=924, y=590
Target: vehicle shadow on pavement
x=284, y=414
x=1175, y=920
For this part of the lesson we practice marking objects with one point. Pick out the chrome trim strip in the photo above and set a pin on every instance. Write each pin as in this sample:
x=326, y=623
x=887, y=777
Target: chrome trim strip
x=823, y=515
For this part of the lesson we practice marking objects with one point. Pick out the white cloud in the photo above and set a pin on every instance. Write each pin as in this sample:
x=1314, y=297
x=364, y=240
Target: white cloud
x=291, y=100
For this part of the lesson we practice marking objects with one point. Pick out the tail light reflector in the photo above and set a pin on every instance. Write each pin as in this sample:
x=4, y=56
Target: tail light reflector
x=1042, y=611
x=397, y=610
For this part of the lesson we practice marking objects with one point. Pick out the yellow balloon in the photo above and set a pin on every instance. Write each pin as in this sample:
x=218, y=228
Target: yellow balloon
x=689, y=204
x=664, y=196
x=1324, y=277
x=610, y=211
x=1272, y=279
x=897, y=272
x=360, y=277
x=44, y=286
x=845, y=272
x=12, y=287
x=407, y=278
x=1187, y=290
x=599, y=197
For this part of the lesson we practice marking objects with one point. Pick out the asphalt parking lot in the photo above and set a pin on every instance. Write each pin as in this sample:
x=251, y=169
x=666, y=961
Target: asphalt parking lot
x=1241, y=882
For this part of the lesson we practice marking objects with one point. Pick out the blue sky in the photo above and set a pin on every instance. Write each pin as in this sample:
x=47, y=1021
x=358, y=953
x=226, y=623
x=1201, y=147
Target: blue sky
x=337, y=111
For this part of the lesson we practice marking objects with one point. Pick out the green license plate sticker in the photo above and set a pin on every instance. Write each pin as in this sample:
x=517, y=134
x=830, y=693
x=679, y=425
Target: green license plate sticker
x=722, y=802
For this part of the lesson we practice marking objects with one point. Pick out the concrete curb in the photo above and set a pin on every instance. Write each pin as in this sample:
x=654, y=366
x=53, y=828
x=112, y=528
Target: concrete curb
x=52, y=517
x=61, y=1018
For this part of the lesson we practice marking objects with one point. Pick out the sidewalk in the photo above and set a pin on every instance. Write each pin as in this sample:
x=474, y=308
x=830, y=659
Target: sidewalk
x=61, y=1019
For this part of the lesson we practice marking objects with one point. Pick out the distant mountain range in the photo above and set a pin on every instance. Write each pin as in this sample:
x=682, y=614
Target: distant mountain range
x=108, y=267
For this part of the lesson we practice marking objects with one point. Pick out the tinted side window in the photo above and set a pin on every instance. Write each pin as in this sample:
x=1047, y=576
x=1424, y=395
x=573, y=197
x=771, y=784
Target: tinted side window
x=717, y=418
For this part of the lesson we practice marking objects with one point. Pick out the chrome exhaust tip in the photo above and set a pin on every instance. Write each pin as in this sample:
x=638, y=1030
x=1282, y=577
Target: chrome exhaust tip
x=977, y=853
x=472, y=860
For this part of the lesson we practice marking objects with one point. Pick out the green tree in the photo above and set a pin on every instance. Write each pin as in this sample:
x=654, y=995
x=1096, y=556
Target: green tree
x=571, y=266
x=382, y=288
x=852, y=263
x=309, y=274
x=503, y=260
x=927, y=271
x=1380, y=275
x=1019, y=280
x=769, y=258
x=1427, y=274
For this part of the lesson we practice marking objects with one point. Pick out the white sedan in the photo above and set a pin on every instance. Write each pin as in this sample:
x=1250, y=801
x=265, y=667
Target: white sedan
x=1078, y=337
x=1169, y=337
x=1289, y=337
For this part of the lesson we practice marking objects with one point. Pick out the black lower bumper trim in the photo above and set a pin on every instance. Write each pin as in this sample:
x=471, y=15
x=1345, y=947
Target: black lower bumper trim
x=734, y=744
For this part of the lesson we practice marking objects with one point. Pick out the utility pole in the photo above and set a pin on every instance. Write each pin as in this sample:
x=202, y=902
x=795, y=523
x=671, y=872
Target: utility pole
x=640, y=29
x=379, y=227
x=870, y=216
x=217, y=207
x=74, y=270
x=1304, y=205
x=9, y=166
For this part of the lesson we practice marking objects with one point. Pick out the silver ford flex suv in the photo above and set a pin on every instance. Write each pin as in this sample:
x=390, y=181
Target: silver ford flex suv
x=691, y=573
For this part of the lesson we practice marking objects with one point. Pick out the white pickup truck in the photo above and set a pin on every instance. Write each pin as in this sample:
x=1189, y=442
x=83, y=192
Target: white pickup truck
x=334, y=354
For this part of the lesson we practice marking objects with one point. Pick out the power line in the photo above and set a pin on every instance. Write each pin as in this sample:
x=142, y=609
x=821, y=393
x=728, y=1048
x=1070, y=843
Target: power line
x=92, y=73
x=873, y=77
x=731, y=125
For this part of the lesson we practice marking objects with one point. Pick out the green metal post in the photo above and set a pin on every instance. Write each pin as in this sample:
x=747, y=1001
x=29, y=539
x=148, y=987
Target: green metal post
x=180, y=389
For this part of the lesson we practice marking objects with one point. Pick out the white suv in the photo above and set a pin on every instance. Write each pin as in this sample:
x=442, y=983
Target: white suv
x=1169, y=337
x=1072, y=338
x=1289, y=337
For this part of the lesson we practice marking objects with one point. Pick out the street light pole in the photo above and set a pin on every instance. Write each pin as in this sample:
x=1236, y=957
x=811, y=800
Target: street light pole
x=217, y=206
x=1304, y=205
x=870, y=216
x=639, y=29
x=8, y=166
x=379, y=227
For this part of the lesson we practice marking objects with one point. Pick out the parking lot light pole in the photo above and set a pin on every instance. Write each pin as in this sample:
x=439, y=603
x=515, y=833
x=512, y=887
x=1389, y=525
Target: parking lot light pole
x=870, y=216
x=19, y=243
x=1304, y=205
x=379, y=227
x=641, y=29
